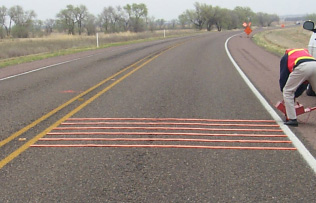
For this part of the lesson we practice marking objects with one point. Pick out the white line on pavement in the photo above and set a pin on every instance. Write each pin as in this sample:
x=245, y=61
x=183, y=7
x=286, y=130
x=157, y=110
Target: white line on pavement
x=296, y=142
x=42, y=68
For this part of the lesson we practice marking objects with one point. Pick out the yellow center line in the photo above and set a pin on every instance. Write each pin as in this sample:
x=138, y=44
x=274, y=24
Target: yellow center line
x=24, y=147
x=23, y=130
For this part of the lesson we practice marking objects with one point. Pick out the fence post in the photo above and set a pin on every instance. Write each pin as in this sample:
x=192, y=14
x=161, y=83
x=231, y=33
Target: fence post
x=97, y=40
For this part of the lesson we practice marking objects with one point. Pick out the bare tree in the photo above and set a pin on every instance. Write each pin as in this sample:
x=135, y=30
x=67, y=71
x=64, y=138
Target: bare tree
x=124, y=19
x=21, y=17
x=104, y=19
x=173, y=23
x=49, y=25
x=116, y=15
x=151, y=24
x=160, y=23
x=37, y=28
x=90, y=24
x=3, y=19
x=80, y=13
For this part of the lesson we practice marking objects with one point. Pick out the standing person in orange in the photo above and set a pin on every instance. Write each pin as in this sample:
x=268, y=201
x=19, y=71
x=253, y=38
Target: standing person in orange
x=297, y=69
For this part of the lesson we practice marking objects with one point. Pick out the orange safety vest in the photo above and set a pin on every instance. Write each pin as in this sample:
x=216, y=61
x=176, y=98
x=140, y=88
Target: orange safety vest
x=296, y=56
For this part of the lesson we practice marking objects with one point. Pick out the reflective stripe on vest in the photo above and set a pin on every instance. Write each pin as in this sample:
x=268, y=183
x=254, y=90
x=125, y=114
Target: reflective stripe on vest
x=295, y=55
x=294, y=50
x=303, y=57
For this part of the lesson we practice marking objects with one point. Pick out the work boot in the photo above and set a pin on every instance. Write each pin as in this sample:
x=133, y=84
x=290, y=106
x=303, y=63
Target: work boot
x=291, y=122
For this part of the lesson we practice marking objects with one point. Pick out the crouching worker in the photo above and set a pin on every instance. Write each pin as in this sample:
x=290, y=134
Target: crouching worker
x=297, y=70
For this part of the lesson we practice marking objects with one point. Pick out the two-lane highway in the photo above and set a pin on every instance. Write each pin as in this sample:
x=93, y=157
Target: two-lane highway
x=28, y=100
x=165, y=121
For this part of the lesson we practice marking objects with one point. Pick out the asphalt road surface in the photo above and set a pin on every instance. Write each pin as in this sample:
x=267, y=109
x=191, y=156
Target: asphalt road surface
x=163, y=121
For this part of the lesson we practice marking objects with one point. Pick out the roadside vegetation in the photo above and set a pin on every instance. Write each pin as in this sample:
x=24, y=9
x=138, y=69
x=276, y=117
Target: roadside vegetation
x=278, y=40
x=15, y=22
x=16, y=51
x=23, y=38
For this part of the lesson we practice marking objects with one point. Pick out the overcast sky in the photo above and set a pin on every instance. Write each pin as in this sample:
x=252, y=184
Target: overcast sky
x=166, y=9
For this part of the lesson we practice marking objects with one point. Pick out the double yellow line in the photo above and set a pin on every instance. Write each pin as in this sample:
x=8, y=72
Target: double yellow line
x=139, y=64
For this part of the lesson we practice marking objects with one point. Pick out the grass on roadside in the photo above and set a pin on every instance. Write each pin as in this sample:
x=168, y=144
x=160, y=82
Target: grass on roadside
x=278, y=40
x=61, y=52
x=17, y=51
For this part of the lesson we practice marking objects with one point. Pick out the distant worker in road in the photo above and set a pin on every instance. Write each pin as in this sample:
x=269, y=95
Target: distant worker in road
x=297, y=70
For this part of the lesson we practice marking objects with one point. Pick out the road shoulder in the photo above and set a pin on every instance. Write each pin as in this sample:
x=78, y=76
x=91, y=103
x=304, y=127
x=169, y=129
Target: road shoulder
x=262, y=69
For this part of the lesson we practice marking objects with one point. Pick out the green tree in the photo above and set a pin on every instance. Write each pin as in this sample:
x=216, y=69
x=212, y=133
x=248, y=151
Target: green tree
x=137, y=14
x=67, y=19
x=183, y=20
x=272, y=18
x=90, y=24
x=113, y=19
x=23, y=21
x=221, y=17
x=245, y=14
x=212, y=16
x=196, y=16
x=209, y=16
x=230, y=20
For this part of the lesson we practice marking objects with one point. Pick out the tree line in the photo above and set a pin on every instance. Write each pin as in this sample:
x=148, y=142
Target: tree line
x=18, y=23
x=15, y=22
x=209, y=17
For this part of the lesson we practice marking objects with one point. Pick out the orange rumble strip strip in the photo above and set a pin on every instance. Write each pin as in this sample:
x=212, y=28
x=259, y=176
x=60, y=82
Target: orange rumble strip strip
x=166, y=123
x=171, y=146
x=162, y=133
x=134, y=132
x=169, y=119
x=161, y=139
x=168, y=128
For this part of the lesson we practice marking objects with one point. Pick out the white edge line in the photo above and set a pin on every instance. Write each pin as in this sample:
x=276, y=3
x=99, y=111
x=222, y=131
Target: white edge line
x=296, y=142
x=45, y=67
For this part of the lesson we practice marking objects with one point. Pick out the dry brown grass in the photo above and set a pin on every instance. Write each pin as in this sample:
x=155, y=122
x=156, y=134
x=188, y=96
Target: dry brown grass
x=10, y=48
x=278, y=40
x=289, y=38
